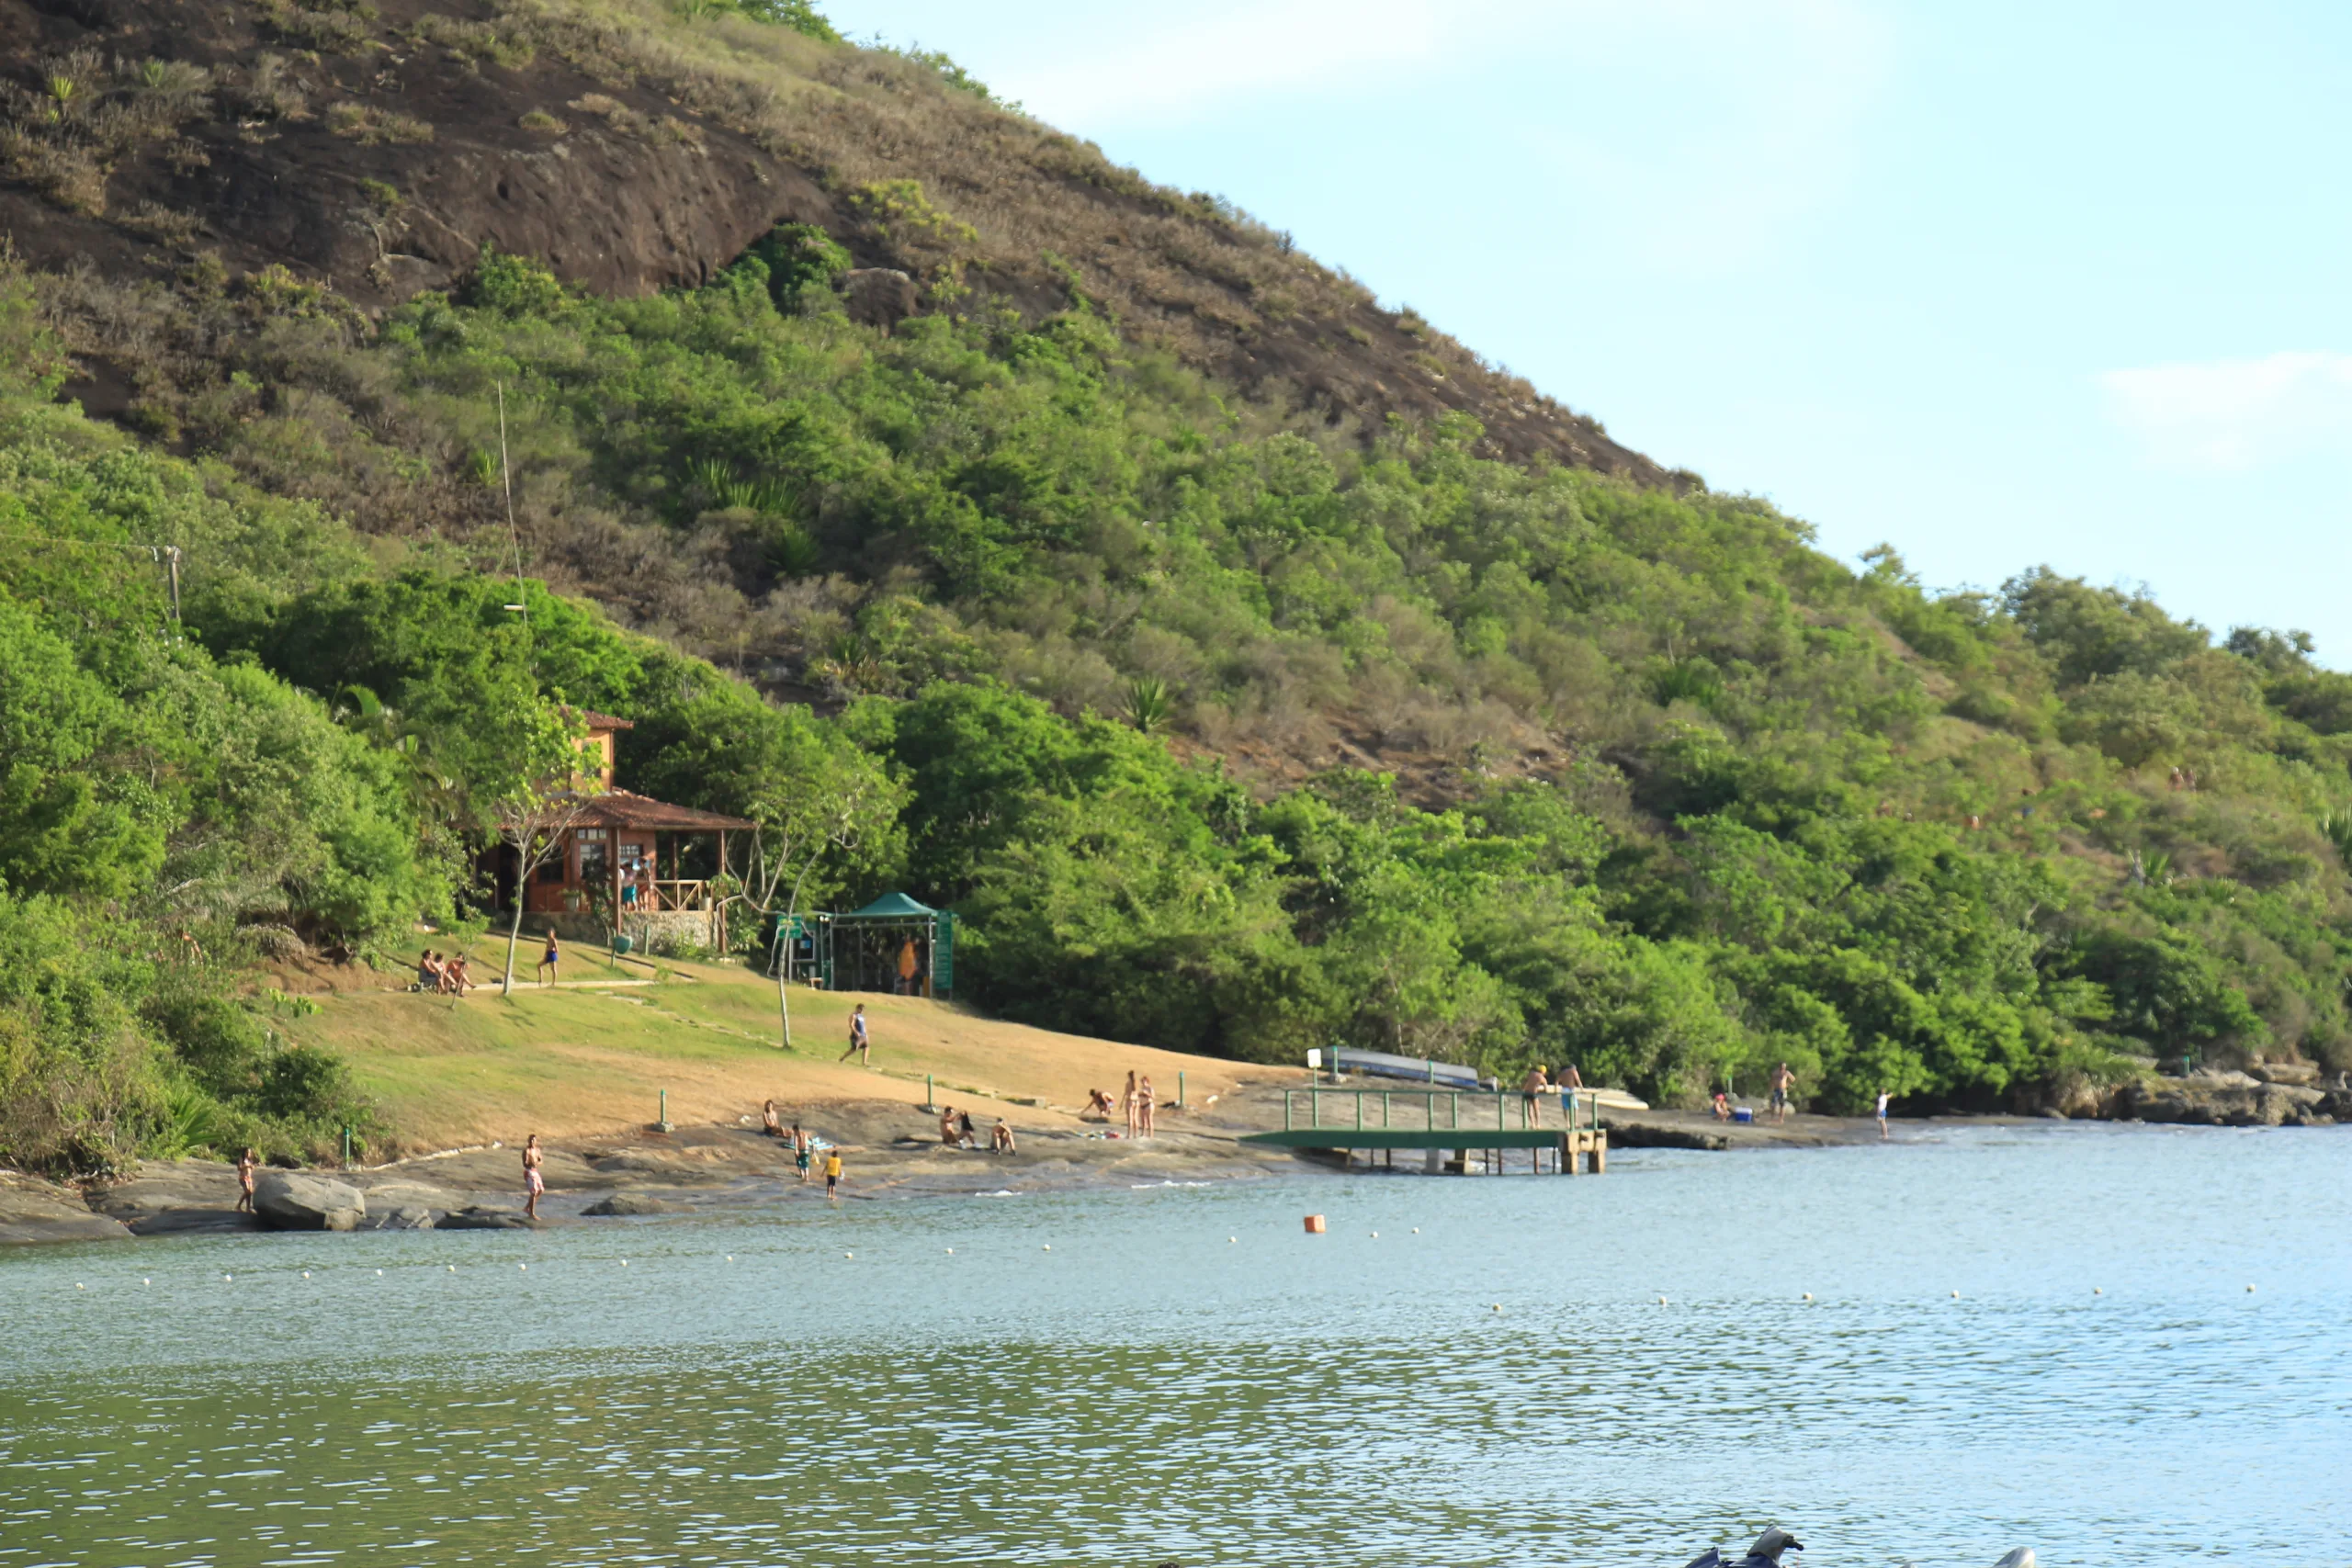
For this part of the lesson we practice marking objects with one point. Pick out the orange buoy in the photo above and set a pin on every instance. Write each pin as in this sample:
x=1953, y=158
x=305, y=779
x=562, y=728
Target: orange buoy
x=1315, y=1225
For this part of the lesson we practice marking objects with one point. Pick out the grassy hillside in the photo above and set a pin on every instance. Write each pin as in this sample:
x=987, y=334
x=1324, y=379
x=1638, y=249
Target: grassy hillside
x=1227, y=729
x=577, y=1059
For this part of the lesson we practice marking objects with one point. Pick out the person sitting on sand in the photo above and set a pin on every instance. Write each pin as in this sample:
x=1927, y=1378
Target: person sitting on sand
x=770, y=1122
x=1098, y=1106
x=1001, y=1141
x=246, y=1163
x=965, y=1138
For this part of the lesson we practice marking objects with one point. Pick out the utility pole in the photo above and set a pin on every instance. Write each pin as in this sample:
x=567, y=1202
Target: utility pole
x=171, y=564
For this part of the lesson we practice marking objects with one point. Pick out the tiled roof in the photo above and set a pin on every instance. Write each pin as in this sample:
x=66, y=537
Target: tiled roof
x=619, y=808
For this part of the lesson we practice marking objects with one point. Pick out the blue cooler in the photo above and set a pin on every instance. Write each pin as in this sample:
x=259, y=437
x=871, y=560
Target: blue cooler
x=1743, y=1113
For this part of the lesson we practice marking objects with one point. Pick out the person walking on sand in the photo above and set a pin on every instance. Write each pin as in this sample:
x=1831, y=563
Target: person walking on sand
x=246, y=1164
x=800, y=1153
x=1145, y=1101
x=534, y=1184
x=1882, y=1113
x=1537, y=1082
x=860, y=1045
x=833, y=1177
x=1783, y=1080
x=1127, y=1103
x=548, y=959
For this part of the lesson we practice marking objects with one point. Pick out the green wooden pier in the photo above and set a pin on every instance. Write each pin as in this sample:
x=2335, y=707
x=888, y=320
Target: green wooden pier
x=1449, y=1141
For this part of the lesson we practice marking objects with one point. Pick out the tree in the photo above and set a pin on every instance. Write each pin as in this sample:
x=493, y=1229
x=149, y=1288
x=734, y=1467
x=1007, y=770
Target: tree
x=827, y=809
x=539, y=796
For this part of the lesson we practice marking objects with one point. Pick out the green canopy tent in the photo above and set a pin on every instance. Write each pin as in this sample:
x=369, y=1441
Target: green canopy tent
x=862, y=951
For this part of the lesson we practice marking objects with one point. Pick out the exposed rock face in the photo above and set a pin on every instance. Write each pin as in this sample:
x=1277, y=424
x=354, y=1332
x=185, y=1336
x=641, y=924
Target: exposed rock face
x=878, y=296
x=32, y=1210
x=290, y=1201
x=2221, y=1100
x=481, y=1219
x=176, y=1197
x=627, y=1204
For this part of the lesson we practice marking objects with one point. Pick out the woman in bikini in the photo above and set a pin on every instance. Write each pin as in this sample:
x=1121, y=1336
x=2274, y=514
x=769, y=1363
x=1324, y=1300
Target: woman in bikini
x=1127, y=1104
x=769, y=1122
x=1143, y=1103
x=533, y=1182
x=246, y=1163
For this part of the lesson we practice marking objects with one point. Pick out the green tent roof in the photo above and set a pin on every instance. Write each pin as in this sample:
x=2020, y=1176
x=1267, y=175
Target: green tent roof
x=889, y=907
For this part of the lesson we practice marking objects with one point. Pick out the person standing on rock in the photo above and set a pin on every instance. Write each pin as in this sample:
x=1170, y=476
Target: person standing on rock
x=1128, y=1104
x=1783, y=1080
x=800, y=1151
x=1145, y=1101
x=833, y=1176
x=860, y=1045
x=534, y=1184
x=1882, y=1113
x=246, y=1162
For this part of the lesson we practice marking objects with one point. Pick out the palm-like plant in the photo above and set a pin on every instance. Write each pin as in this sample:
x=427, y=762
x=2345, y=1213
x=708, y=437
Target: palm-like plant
x=1148, y=706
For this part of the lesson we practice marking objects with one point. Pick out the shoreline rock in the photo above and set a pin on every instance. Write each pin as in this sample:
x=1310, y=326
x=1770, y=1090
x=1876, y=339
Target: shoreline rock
x=290, y=1201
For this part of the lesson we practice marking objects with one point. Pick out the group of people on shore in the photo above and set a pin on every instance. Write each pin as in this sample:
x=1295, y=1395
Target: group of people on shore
x=1138, y=1103
x=443, y=975
x=955, y=1131
x=804, y=1150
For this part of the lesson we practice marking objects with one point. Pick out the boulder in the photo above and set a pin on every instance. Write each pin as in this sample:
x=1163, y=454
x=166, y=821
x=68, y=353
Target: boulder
x=878, y=296
x=290, y=1201
x=32, y=1210
x=477, y=1218
x=625, y=1203
x=407, y=1218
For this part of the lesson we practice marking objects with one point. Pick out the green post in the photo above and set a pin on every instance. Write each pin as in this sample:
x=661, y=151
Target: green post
x=346, y=1148
x=1286, y=1109
x=1359, y=1111
x=663, y=1124
x=1314, y=1108
x=929, y=1099
x=1180, y=1091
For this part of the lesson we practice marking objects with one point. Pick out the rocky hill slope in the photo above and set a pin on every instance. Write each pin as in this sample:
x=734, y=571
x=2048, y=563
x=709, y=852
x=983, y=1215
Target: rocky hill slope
x=377, y=145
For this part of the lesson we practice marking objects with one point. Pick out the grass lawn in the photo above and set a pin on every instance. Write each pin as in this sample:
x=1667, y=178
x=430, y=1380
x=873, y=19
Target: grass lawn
x=592, y=1055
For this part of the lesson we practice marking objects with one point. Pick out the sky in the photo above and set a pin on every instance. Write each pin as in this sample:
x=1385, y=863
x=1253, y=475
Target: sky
x=2002, y=285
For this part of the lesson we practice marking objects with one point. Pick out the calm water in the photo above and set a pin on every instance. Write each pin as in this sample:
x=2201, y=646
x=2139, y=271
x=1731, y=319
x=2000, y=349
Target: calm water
x=1148, y=1390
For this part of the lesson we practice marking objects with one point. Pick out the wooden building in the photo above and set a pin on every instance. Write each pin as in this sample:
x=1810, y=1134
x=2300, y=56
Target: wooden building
x=641, y=866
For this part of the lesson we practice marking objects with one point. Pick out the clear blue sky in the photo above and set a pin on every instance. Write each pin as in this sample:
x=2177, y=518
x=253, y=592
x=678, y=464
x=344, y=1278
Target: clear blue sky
x=2001, y=284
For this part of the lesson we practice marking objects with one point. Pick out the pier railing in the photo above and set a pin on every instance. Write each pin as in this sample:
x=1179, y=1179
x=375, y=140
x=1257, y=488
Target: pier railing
x=1573, y=1103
